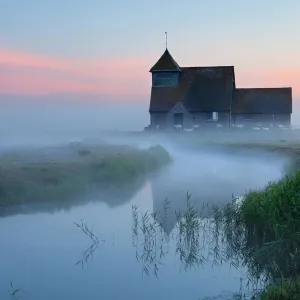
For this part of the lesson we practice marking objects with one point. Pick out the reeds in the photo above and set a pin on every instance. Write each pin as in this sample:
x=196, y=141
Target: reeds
x=149, y=241
x=262, y=234
x=269, y=224
x=288, y=289
x=271, y=218
x=190, y=227
x=88, y=253
x=15, y=292
x=192, y=236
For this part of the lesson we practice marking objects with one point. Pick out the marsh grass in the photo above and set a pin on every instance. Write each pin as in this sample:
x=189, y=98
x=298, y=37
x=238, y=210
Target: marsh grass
x=15, y=292
x=262, y=234
x=265, y=232
x=190, y=243
x=271, y=219
x=35, y=178
x=191, y=237
x=95, y=242
x=197, y=239
x=149, y=241
x=288, y=289
x=87, y=231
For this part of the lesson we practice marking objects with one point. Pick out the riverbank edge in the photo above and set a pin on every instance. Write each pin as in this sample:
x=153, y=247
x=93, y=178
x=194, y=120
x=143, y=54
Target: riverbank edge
x=27, y=183
x=258, y=206
x=281, y=149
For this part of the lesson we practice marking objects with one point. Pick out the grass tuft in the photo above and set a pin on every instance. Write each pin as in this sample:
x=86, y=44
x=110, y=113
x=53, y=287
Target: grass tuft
x=285, y=290
x=265, y=230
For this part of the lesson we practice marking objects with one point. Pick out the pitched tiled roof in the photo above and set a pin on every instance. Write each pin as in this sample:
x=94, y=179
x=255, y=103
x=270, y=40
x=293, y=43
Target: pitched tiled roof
x=199, y=89
x=263, y=101
x=166, y=62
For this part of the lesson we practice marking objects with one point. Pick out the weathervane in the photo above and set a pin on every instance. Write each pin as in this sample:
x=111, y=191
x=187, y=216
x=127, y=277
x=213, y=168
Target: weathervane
x=166, y=33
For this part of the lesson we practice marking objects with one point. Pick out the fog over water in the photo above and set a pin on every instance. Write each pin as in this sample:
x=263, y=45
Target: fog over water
x=39, y=250
x=27, y=121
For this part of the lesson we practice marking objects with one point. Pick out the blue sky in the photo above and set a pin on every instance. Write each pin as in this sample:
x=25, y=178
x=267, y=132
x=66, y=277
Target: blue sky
x=100, y=51
x=257, y=37
x=115, y=28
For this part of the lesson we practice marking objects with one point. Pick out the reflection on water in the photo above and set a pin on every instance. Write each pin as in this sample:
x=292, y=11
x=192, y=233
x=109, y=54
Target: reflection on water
x=150, y=244
x=111, y=196
x=196, y=241
x=144, y=235
x=95, y=241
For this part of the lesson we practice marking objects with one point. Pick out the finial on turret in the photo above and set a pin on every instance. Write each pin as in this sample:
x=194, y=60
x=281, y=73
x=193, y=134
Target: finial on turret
x=166, y=33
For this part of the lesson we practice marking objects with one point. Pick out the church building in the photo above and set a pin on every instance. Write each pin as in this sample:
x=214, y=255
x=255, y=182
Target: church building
x=207, y=97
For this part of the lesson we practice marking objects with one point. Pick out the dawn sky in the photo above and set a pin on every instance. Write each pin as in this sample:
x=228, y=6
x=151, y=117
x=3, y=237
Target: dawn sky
x=105, y=48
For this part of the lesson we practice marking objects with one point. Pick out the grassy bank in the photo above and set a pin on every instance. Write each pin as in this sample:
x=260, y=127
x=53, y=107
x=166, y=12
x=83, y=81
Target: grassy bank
x=265, y=230
x=54, y=174
x=286, y=289
x=283, y=145
x=282, y=148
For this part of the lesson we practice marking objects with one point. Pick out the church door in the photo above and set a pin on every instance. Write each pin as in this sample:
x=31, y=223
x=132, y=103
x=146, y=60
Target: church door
x=178, y=119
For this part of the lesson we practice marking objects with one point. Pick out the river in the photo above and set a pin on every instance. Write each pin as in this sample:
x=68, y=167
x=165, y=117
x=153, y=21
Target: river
x=46, y=255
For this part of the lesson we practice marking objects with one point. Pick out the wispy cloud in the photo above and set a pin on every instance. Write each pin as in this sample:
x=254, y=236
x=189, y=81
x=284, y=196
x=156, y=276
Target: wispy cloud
x=25, y=73
x=34, y=74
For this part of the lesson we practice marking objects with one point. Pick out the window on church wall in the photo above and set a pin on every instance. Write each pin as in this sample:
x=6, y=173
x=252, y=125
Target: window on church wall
x=178, y=119
x=215, y=116
x=212, y=116
x=248, y=118
x=164, y=79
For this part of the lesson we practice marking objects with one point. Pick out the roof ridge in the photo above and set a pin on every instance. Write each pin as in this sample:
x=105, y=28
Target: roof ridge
x=223, y=66
x=265, y=88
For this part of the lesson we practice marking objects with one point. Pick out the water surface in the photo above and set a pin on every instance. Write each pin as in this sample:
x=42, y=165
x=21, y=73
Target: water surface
x=40, y=248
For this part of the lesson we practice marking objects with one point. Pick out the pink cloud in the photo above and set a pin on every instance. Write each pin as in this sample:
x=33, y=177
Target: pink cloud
x=33, y=74
x=24, y=73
